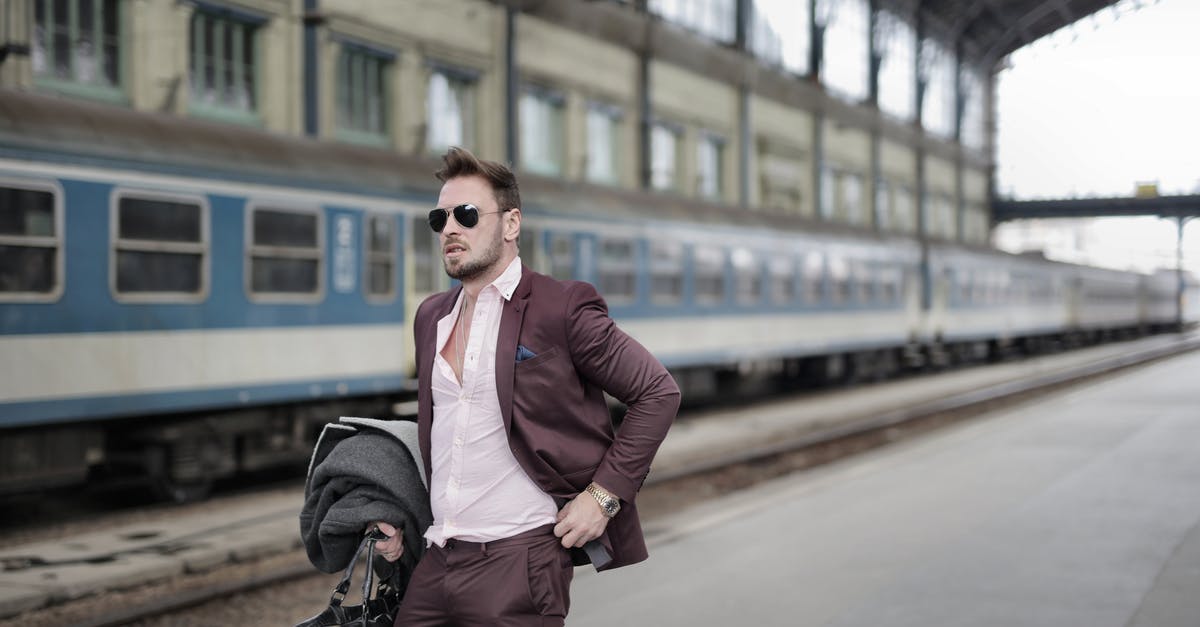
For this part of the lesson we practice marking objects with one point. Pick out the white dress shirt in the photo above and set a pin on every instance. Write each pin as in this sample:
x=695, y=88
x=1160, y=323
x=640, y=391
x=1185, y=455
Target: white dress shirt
x=478, y=491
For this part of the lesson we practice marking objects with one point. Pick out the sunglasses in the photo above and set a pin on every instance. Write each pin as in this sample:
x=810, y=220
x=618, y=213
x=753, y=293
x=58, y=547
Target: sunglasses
x=466, y=214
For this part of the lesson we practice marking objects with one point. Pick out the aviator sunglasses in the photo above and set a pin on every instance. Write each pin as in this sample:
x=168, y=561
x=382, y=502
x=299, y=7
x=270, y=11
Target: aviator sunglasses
x=466, y=214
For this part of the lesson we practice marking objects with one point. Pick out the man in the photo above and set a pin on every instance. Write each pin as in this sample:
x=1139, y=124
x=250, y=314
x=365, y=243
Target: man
x=516, y=437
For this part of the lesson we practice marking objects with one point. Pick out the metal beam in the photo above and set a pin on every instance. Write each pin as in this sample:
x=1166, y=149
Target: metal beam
x=1163, y=206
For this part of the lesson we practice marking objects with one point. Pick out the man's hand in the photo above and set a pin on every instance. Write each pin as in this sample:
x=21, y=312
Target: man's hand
x=580, y=521
x=392, y=548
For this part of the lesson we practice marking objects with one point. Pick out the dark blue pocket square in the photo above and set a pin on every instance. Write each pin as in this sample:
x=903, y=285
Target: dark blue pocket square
x=524, y=353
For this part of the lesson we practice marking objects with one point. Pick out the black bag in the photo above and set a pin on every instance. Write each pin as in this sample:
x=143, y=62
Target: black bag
x=379, y=611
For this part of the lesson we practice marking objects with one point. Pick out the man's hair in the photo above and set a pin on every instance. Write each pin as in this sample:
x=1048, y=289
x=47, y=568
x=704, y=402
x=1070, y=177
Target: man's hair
x=460, y=162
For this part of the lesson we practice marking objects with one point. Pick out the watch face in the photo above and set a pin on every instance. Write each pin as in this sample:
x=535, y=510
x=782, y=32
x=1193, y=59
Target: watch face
x=610, y=506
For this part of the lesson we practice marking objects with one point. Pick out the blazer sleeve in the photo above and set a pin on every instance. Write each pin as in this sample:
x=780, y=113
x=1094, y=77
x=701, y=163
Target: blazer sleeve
x=621, y=366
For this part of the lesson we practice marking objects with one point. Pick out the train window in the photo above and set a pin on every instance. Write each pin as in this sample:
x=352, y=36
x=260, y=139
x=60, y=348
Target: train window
x=863, y=283
x=529, y=248
x=381, y=256
x=839, y=279
x=747, y=276
x=161, y=246
x=30, y=243
x=666, y=272
x=814, y=268
x=285, y=251
x=562, y=256
x=783, y=280
x=889, y=285
x=710, y=274
x=616, y=269
x=426, y=271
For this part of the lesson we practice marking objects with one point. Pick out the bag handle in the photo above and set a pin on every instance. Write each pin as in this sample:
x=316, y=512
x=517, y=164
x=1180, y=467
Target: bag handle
x=368, y=542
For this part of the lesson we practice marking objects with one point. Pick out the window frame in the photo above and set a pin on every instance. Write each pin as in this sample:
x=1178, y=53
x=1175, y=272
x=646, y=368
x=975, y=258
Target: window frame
x=553, y=104
x=627, y=266
x=368, y=61
x=454, y=76
x=391, y=256
x=116, y=245
x=676, y=133
x=715, y=143
x=614, y=115
x=58, y=241
x=244, y=21
x=671, y=265
x=113, y=92
x=252, y=250
x=720, y=254
x=417, y=225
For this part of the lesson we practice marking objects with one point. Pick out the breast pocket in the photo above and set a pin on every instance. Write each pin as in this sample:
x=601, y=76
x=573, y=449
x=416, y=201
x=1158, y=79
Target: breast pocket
x=537, y=361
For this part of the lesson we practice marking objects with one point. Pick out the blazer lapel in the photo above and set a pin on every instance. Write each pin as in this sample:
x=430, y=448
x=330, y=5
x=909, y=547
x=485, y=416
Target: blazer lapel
x=506, y=346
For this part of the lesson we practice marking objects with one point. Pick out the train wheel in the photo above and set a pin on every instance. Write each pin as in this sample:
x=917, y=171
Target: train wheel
x=184, y=470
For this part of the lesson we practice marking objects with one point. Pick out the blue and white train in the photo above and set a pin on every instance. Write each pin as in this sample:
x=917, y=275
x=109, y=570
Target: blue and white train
x=182, y=300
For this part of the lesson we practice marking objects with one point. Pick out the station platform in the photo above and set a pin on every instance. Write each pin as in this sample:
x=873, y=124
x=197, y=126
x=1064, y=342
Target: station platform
x=717, y=544
x=1082, y=508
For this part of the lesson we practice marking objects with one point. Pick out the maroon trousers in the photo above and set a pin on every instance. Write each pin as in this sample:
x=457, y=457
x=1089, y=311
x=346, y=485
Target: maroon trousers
x=522, y=581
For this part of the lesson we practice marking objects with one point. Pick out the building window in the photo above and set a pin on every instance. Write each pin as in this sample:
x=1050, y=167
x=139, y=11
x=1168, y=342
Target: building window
x=362, y=87
x=883, y=204
x=160, y=247
x=285, y=252
x=709, y=182
x=664, y=158
x=666, y=272
x=825, y=208
x=223, y=65
x=602, y=144
x=30, y=243
x=451, y=109
x=381, y=256
x=710, y=274
x=852, y=198
x=77, y=42
x=618, y=263
x=542, y=132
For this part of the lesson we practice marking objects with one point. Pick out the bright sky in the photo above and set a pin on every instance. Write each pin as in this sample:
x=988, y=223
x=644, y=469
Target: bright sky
x=1100, y=106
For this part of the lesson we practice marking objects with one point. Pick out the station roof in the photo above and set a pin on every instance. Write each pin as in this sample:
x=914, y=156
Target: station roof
x=990, y=29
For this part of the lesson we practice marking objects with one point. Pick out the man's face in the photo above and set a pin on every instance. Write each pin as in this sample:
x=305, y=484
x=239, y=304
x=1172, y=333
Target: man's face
x=470, y=252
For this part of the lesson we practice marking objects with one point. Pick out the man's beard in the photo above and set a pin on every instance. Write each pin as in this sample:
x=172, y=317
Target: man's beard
x=471, y=268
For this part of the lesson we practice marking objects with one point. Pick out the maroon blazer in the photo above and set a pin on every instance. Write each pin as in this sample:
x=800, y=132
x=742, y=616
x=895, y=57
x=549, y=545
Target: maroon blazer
x=553, y=404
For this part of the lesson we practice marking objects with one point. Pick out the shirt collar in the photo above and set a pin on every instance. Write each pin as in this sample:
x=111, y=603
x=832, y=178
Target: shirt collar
x=508, y=280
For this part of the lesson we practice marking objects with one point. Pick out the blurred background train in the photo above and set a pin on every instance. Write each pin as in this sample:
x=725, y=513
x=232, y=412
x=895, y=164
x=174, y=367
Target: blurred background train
x=213, y=230
x=185, y=314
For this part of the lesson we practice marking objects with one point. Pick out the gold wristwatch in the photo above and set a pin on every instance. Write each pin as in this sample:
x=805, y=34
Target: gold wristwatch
x=609, y=504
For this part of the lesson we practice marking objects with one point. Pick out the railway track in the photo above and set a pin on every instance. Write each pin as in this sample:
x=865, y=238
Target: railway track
x=203, y=598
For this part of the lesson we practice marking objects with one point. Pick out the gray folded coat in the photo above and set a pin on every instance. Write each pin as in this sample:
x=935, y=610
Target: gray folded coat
x=363, y=471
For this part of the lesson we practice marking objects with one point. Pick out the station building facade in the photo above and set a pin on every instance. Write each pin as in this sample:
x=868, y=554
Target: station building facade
x=852, y=112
